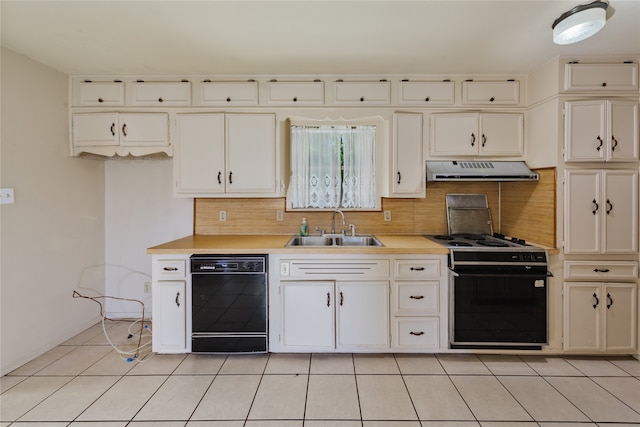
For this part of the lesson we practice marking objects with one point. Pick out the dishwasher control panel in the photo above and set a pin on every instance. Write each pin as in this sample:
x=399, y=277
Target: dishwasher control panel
x=228, y=264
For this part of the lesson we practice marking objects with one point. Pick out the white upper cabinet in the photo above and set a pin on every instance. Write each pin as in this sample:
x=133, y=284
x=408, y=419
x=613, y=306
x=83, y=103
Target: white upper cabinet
x=109, y=134
x=491, y=93
x=99, y=94
x=221, y=154
x=362, y=93
x=477, y=134
x=601, y=211
x=601, y=131
x=601, y=77
x=426, y=93
x=408, y=174
x=229, y=93
x=295, y=93
x=159, y=94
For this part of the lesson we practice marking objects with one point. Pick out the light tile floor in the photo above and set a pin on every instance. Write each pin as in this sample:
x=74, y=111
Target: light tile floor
x=84, y=382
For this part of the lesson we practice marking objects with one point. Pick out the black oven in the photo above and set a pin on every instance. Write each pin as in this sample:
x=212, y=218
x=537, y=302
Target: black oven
x=229, y=304
x=498, y=299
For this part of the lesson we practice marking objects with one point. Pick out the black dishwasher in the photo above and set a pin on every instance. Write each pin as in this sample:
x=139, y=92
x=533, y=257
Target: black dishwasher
x=229, y=303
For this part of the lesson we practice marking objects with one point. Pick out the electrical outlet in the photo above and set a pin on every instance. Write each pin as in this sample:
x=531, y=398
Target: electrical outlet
x=223, y=215
x=387, y=215
x=6, y=196
x=147, y=287
x=279, y=216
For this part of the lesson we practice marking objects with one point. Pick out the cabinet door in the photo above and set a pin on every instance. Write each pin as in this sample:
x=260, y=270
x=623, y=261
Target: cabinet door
x=619, y=210
x=229, y=93
x=308, y=315
x=454, y=134
x=600, y=77
x=251, y=153
x=585, y=131
x=161, y=93
x=144, y=129
x=295, y=93
x=501, y=134
x=426, y=93
x=362, y=315
x=491, y=93
x=92, y=129
x=199, y=155
x=100, y=94
x=169, y=317
x=623, y=138
x=408, y=179
x=620, y=316
x=582, y=317
x=582, y=208
x=362, y=93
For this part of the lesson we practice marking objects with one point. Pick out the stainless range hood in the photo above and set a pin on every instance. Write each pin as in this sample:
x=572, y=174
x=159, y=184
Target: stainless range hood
x=462, y=170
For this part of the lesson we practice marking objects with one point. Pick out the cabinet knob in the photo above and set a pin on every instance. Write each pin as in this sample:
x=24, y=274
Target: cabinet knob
x=604, y=84
x=427, y=99
x=362, y=99
x=100, y=100
x=160, y=100
x=492, y=99
x=295, y=99
x=228, y=99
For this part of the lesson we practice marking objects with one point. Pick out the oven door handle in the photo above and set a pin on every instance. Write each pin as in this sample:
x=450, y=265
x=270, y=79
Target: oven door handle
x=453, y=273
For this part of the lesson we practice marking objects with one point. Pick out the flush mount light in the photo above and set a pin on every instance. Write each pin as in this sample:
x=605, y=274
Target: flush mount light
x=580, y=23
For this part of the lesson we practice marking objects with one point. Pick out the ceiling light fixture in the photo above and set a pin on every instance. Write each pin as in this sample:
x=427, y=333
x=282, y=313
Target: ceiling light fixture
x=580, y=23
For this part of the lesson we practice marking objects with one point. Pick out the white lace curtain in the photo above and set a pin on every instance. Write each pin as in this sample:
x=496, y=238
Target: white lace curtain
x=332, y=167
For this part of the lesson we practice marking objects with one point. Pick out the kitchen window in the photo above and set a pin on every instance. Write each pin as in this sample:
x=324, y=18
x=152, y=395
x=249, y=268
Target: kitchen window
x=333, y=166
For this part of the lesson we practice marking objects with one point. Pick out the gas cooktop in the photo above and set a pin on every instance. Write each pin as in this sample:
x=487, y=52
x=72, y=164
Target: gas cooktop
x=480, y=241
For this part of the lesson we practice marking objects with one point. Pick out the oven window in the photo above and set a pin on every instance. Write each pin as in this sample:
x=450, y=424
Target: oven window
x=499, y=309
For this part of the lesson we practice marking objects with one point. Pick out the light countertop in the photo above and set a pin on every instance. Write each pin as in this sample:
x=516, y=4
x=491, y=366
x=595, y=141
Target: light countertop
x=257, y=244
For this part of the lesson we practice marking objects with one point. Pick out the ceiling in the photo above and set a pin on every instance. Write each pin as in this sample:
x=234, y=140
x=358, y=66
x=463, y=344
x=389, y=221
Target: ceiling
x=303, y=37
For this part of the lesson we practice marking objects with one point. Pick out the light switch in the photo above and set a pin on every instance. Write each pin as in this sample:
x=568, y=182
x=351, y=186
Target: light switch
x=6, y=196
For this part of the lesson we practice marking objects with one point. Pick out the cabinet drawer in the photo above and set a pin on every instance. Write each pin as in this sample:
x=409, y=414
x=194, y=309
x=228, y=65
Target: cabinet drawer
x=337, y=269
x=170, y=269
x=362, y=93
x=426, y=93
x=100, y=93
x=295, y=93
x=416, y=298
x=161, y=93
x=600, y=77
x=413, y=269
x=95, y=129
x=491, y=93
x=229, y=93
x=416, y=333
x=601, y=271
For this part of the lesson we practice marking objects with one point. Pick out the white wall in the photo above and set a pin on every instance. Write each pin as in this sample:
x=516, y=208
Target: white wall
x=55, y=228
x=141, y=211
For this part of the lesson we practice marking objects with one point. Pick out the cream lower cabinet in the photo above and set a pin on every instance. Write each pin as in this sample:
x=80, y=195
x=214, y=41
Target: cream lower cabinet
x=170, y=304
x=600, y=317
x=342, y=315
x=419, y=305
x=226, y=155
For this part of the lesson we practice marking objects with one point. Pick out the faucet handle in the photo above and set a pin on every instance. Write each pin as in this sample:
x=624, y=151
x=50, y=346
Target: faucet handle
x=352, y=227
x=321, y=230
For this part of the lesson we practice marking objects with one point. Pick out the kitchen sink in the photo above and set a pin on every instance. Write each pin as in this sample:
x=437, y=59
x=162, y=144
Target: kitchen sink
x=362, y=240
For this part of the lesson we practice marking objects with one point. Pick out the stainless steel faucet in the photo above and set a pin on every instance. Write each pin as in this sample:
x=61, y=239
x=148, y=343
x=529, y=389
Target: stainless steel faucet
x=333, y=220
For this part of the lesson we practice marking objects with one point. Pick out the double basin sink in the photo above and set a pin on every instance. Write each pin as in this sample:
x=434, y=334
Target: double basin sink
x=330, y=240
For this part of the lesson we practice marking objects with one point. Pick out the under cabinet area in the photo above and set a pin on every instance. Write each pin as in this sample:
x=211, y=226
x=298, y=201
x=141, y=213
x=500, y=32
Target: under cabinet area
x=477, y=134
x=222, y=154
x=109, y=134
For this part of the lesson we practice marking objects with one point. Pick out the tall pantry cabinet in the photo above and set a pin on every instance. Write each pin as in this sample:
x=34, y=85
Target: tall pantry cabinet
x=601, y=145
